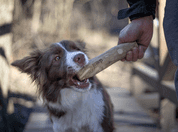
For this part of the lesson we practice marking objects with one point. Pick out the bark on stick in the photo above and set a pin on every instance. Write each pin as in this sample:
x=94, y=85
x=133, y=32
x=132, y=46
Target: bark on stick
x=104, y=60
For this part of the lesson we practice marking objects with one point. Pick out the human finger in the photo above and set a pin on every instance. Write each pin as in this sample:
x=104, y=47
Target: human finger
x=141, y=50
x=129, y=56
x=135, y=54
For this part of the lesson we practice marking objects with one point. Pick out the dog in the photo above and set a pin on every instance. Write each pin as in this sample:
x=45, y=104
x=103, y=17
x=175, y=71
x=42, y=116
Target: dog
x=73, y=105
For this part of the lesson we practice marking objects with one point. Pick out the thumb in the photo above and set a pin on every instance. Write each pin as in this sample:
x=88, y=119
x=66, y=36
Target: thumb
x=130, y=33
x=123, y=35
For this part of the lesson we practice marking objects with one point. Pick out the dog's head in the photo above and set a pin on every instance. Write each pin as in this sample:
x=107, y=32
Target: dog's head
x=55, y=68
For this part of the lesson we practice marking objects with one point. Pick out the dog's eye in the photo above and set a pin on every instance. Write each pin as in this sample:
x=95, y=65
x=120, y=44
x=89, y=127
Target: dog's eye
x=57, y=58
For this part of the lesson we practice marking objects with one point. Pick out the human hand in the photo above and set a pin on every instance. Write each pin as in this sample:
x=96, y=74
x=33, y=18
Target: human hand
x=141, y=31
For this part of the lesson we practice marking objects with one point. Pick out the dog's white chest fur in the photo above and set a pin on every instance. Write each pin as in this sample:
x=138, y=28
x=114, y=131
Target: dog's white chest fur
x=82, y=110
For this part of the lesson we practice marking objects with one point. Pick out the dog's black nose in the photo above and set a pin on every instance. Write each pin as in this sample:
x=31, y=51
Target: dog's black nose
x=79, y=59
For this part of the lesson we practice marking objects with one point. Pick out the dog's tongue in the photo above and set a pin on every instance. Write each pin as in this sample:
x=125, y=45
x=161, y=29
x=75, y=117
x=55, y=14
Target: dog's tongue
x=80, y=84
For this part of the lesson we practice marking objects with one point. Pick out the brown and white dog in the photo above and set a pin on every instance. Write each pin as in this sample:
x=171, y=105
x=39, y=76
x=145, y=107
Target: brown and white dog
x=74, y=106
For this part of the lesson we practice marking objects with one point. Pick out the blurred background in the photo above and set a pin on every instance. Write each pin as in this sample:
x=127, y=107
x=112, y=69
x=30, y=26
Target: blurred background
x=142, y=92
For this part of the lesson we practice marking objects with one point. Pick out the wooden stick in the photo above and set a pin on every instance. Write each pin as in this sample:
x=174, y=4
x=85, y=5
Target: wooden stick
x=104, y=60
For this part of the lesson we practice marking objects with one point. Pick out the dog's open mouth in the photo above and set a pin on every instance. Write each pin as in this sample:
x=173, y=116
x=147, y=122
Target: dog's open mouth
x=79, y=84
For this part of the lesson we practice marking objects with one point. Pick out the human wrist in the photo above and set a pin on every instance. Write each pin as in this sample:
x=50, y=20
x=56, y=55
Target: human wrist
x=144, y=21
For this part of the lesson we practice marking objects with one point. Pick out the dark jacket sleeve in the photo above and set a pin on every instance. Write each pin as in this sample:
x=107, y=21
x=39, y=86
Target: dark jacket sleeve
x=137, y=9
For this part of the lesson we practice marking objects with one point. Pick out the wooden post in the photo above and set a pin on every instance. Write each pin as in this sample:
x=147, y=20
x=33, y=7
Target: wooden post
x=6, y=17
x=167, y=115
x=163, y=48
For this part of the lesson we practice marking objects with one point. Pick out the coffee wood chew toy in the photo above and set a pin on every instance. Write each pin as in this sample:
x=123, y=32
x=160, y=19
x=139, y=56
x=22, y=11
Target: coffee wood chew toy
x=104, y=60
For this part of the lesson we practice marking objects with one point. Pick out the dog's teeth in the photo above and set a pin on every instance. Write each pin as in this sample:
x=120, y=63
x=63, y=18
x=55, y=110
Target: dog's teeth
x=78, y=83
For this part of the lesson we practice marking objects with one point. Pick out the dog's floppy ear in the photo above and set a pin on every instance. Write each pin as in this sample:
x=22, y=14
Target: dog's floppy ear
x=29, y=64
